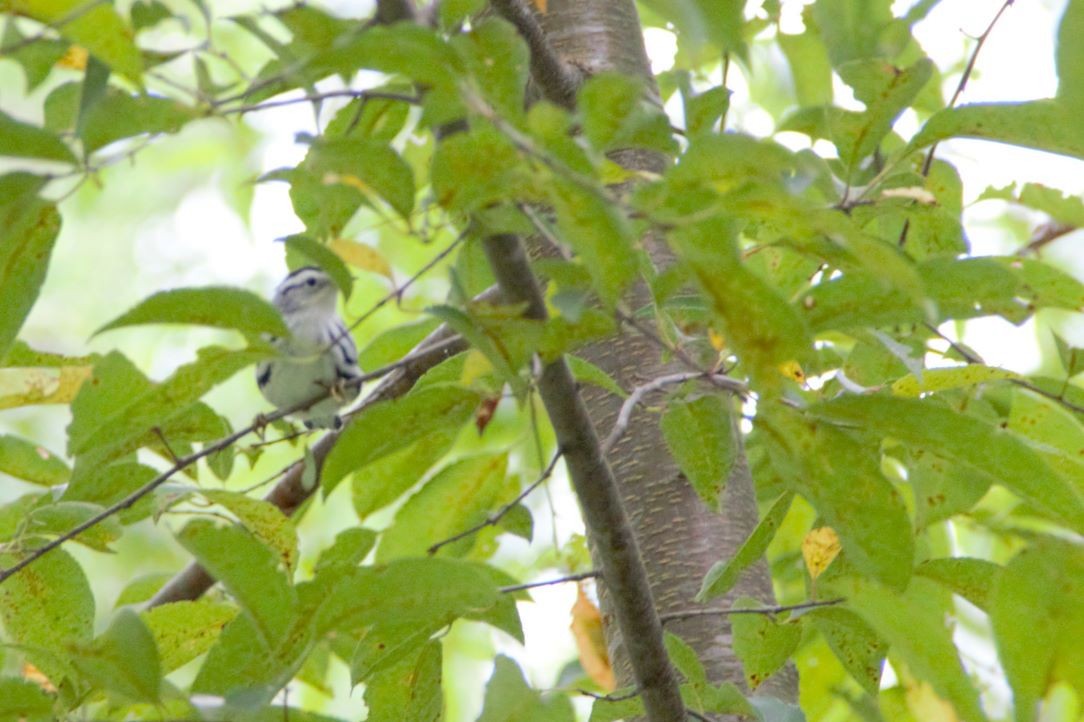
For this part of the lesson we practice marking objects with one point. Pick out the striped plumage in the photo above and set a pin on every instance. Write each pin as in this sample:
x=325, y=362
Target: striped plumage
x=318, y=356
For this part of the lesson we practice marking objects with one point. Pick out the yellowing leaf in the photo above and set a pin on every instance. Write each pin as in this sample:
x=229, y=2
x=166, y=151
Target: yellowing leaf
x=35, y=675
x=952, y=378
x=362, y=256
x=27, y=386
x=716, y=339
x=914, y=193
x=75, y=57
x=587, y=630
x=540, y=5
x=819, y=548
x=792, y=370
x=926, y=704
x=475, y=365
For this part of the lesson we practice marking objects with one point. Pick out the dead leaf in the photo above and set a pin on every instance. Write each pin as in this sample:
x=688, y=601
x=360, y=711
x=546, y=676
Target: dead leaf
x=587, y=629
x=819, y=548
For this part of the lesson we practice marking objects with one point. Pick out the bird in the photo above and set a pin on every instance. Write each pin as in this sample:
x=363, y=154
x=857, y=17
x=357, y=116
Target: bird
x=319, y=355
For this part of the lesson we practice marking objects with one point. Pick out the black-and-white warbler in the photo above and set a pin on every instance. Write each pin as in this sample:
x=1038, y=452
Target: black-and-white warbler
x=319, y=356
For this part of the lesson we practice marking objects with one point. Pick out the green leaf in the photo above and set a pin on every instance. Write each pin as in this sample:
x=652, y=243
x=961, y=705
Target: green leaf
x=1070, y=58
x=30, y=462
x=318, y=254
x=148, y=13
x=264, y=520
x=458, y=496
x=1041, y=124
x=1072, y=358
x=36, y=58
x=496, y=57
x=700, y=436
x=1035, y=613
x=510, y=699
x=1062, y=207
x=474, y=169
x=886, y=91
x=356, y=170
x=599, y=234
x=184, y=630
x=241, y=664
x=764, y=340
x=762, y=644
x=400, y=605
x=21, y=700
x=616, y=114
x=392, y=425
x=250, y=572
x=216, y=306
x=722, y=576
x=854, y=643
x=141, y=589
x=854, y=29
x=959, y=289
x=384, y=480
x=47, y=607
x=61, y=517
x=376, y=118
x=22, y=140
x=843, y=480
x=587, y=373
x=810, y=68
x=410, y=690
x=115, y=116
x=943, y=488
x=965, y=440
x=28, y=228
x=123, y=659
x=913, y=623
x=1057, y=434
x=395, y=343
x=972, y=579
x=699, y=22
x=950, y=378
x=118, y=407
x=96, y=26
x=351, y=546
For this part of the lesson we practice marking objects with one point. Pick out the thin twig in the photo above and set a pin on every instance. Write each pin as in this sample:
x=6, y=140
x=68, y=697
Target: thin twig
x=549, y=582
x=558, y=80
x=179, y=465
x=72, y=16
x=624, y=416
x=691, y=613
x=494, y=518
x=608, y=697
x=927, y=163
x=966, y=76
x=316, y=97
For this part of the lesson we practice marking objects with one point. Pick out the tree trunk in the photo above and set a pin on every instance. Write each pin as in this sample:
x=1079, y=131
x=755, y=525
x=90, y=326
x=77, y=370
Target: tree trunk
x=679, y=537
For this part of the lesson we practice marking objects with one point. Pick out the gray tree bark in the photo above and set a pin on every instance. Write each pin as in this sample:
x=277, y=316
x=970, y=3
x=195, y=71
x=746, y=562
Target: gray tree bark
x=679, y=537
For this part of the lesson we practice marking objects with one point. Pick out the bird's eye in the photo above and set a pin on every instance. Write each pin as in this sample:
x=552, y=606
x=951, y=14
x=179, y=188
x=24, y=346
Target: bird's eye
x=312, y=281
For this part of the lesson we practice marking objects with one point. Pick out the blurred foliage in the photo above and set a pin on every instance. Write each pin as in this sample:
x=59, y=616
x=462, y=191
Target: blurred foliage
x=827, y=273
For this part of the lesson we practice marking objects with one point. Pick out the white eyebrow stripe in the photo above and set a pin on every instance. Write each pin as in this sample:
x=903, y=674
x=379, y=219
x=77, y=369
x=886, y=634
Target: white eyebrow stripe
x=299, y=278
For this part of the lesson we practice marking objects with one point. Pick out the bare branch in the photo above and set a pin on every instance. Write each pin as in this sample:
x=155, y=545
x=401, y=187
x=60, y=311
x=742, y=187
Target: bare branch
x=494, y=518
x=558, y=80
x=638, y=394
x=617, y=549
x=690, y=613
x=549, y=582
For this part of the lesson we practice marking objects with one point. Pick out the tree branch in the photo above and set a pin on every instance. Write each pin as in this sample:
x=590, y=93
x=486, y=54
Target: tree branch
x=558, y=80
x=638, y=394
x=392, y=11
x=690, y=613
x=363, y=94
x=561, y=580
x=616, y=546
x=291, y=492
x=500, y=513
